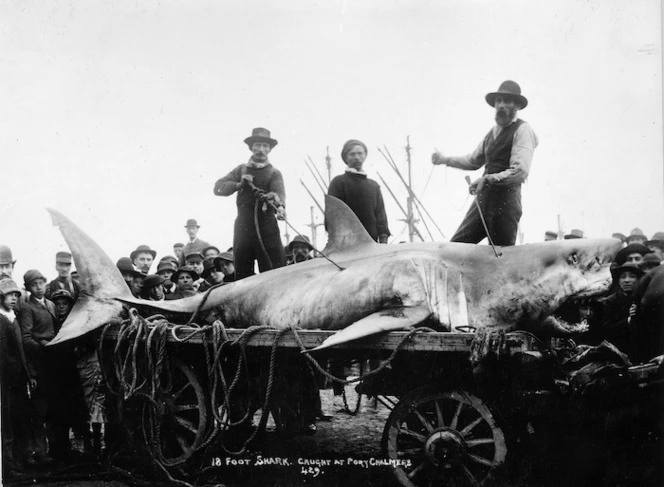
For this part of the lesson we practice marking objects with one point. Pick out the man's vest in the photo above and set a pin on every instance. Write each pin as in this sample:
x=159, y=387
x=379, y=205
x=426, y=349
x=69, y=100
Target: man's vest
x=497, y=152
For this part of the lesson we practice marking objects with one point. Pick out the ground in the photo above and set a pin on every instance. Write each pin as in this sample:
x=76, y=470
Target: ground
x=572, y=458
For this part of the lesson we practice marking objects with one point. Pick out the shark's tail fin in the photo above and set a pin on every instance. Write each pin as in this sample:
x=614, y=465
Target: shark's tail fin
x=100, y=281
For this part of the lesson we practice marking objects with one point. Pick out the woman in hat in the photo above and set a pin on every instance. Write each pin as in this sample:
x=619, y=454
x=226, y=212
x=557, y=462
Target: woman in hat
x=619, y=308
x=361, y=194
x=260, y=190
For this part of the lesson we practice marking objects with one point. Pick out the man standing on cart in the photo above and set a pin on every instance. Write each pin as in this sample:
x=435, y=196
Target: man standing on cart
x=506, y=152
x=260, y=189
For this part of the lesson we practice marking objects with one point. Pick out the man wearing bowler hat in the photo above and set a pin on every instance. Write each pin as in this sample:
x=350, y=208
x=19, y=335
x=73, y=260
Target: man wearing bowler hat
x=506, y=153
x=260, y=189
x=142, y=258
x=194, y=244
x=64, y=280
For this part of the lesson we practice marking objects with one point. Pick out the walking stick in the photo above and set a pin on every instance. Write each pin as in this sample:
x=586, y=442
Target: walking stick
x=486, y=229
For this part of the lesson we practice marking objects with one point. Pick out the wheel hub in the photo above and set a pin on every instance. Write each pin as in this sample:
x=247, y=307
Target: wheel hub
x=445, y=448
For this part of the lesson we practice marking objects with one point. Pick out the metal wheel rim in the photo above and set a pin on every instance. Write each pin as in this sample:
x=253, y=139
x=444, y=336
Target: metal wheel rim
x=439, y=418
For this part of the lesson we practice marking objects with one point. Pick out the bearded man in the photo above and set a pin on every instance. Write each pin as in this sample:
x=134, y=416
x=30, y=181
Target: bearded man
x=506, y=152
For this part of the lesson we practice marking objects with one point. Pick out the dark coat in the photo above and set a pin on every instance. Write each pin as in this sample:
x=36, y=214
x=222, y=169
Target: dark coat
x=58, y=283
x=13, y=365
x=615, y=326
x=37, y=323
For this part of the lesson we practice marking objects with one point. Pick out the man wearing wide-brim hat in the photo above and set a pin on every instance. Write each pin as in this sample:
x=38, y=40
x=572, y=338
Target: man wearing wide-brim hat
x=619, y=308
x=656, y=244
x=636, y=236
x=300, y=248
x=506, y=153
x=142, y=258
x=261, y=198
x=574, y=233
x=631, y=254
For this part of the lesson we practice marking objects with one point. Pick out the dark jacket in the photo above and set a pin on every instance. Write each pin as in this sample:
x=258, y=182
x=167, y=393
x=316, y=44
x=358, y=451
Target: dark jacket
x=615, y=312
x=13, y=365
x=37, y=323
x=68, y=285
x=363, y=196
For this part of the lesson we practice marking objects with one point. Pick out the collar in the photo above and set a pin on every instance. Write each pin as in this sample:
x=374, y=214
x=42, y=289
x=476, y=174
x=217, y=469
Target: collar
x=352, y=170
x=497, y=128
x=257, y=165
x=41, y=301
x=9, y=314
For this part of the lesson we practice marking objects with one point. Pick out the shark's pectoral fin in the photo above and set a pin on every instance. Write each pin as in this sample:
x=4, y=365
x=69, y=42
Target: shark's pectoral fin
x=382, y=321
x=87, y=314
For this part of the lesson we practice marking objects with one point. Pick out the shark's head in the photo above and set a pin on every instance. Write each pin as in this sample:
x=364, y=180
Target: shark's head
x=539, y=277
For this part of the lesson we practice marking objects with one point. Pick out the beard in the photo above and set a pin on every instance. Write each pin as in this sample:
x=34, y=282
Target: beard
x=504, y=116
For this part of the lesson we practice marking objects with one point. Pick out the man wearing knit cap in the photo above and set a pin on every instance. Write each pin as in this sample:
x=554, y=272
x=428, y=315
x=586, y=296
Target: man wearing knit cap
x=261, y=199
x=361, y=194
x=506, y=153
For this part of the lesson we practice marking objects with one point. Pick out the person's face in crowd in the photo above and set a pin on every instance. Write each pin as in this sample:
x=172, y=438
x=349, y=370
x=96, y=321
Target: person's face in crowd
x=185, y=279
x=7, y=269
x=166, y=274
x=37, y=288
x=143, y=262
x=634, y=258
x=211, y=253
x=259, y=151
x=356, y=157
x=227, y=267
x=9, y=300
x=216, y=276
x=62, y=307
x=585, y=311
x=198, y=267
x=177, y=251
x=657, y=250
x=300, y=252
x=63, y=269
x=192, y=231
x=157, y=292
x=137, y=284
x=506, y=109
x=627, y=281
x=129, y=278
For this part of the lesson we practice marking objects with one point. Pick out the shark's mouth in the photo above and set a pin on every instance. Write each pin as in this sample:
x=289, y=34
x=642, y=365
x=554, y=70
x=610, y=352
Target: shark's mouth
x=597, y=286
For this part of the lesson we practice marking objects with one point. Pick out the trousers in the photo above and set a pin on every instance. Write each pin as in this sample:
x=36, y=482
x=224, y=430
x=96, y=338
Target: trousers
x=247, y=243
x=501, y=207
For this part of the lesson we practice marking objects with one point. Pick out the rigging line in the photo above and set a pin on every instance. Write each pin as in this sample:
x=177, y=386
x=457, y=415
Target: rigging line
x=400, y=207
x=319, y=174
x=322, y=188
x=410, y=190
x=426, y=185
x=313, y=197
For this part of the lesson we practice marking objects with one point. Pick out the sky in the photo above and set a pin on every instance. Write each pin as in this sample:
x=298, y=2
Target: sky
x=123, y=114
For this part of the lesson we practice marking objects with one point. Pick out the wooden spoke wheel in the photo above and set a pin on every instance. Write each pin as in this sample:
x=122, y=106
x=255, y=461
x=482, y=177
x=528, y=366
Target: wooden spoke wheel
x=177, y=424
x=443, y=438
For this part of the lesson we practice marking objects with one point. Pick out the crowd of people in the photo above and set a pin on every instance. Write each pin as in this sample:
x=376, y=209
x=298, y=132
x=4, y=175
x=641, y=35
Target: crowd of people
x=50, y=392
x=617, y=318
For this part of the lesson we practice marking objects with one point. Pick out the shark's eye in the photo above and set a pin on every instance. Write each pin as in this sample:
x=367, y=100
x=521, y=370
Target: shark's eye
x=573, y=259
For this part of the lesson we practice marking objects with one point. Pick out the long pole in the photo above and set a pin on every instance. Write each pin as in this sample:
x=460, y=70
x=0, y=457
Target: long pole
x=313, y=197
x=399, y=204
x=409, y=200
x=328, y=164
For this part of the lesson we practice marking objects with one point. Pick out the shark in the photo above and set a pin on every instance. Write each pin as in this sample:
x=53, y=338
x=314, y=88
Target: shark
x=363, y=288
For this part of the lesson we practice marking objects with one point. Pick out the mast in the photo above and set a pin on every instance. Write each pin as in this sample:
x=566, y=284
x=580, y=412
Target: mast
x=409, y=200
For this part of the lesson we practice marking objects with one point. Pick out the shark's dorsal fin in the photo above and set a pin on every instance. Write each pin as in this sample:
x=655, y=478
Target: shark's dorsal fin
x=345, y=232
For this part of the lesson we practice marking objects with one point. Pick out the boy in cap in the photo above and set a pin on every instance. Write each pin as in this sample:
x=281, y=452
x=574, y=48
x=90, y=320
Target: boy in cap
x=656, y=244
x=64, y=280
x=253, y=181
x=63, y=301
x=14, y=380
x=210, y=252
x=195, y=244
x=195, y=260
x=38, y=322
x=177, y=250
x=359, y=192
x=226, y=265
x=184, y=279
x=153, y=288
x=165, y=269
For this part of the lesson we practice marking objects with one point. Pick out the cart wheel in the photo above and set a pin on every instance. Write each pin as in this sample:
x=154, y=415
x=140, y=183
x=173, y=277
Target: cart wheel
x=443, y=438
x=182, y=415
